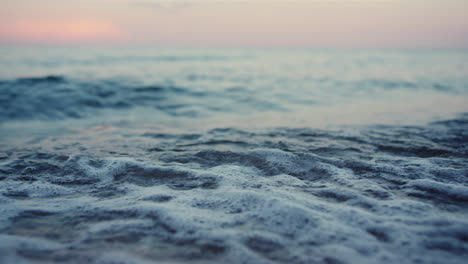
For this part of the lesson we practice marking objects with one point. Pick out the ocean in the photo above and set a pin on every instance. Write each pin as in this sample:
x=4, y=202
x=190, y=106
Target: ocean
x=144, y=155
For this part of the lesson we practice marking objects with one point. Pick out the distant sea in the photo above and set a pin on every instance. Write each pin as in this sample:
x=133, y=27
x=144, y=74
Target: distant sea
x=144, y=155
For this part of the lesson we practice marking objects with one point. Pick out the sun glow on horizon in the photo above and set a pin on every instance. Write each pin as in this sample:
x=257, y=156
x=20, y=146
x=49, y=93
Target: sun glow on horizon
x=60, y=31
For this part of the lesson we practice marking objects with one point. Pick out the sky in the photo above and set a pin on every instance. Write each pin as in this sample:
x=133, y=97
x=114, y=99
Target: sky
x=237, y=23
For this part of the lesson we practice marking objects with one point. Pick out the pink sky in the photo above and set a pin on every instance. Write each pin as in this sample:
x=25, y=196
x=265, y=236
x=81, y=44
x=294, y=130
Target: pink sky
x=302, y=23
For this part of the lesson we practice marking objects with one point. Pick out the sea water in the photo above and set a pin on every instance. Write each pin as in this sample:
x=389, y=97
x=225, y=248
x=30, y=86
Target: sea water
x=148, y=154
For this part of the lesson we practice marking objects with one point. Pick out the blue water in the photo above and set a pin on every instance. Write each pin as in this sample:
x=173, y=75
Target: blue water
x=233, y=155
x=261, y=88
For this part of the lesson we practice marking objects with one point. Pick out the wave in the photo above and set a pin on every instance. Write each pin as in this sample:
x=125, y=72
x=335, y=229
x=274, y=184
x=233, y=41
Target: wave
x=55, y=97
x=380, y=194
x=58, y=97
